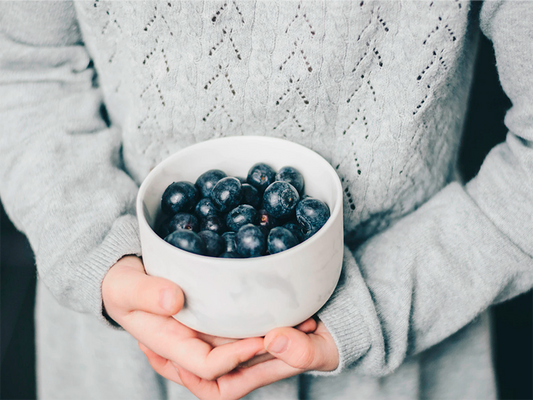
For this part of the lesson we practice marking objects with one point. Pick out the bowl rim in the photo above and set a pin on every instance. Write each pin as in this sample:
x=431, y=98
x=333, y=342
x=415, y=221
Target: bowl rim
x=244, y=262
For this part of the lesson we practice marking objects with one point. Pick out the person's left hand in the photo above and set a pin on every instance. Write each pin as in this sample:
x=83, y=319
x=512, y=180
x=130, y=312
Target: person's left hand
x=294, y=350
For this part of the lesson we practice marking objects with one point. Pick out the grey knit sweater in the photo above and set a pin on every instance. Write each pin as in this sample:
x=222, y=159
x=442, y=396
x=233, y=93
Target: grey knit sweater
x=94, y=94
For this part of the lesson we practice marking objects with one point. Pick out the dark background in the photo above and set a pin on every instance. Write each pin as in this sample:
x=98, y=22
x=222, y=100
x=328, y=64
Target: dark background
x=512, y=320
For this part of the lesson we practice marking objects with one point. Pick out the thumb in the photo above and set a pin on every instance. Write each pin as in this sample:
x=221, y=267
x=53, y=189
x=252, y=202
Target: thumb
x=127, y=288
x=298, y=349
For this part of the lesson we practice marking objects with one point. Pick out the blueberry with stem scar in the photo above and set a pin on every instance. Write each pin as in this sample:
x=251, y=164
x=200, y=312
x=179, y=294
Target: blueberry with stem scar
x=280, y=199
x=312, y=214
x=179, y=221
x=187, y=240
x=260, y=176
x=293, y=176
x=266, y=220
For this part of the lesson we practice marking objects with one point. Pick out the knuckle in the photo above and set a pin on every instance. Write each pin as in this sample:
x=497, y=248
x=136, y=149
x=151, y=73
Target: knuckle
x=209, y=375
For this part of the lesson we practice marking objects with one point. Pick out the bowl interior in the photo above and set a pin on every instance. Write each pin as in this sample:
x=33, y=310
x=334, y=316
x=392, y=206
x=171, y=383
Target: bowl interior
x=235, y=156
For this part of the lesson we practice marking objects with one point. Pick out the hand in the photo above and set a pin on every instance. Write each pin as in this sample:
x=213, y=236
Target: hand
x=294, y=351
x=143, y=305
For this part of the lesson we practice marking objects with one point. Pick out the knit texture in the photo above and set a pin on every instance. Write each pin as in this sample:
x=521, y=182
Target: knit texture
x=96, y=93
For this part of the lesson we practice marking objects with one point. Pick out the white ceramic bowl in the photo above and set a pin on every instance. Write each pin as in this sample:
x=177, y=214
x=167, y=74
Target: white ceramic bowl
x=238, y=298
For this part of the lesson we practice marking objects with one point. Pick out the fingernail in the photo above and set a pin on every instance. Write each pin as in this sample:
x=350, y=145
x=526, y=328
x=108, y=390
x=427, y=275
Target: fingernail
x=167, y=299
x=278, y=345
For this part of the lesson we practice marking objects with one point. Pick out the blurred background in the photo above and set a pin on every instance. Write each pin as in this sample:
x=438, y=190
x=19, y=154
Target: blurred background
x=513, y=335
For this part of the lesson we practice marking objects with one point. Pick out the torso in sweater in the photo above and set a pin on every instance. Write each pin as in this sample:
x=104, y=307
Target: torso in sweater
x=378, y=89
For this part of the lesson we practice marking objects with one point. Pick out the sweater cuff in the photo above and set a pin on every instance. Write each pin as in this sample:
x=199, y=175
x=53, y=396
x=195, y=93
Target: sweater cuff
x=343, y=320
x=121, y=240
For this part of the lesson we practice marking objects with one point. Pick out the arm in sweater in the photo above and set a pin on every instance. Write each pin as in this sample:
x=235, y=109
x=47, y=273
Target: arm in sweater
x=60, y=176
x=435, y=270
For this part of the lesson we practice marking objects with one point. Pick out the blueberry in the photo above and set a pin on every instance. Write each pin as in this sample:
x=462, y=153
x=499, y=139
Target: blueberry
x=312, y=214
x=163, y=227
x=239, y=216
x=250, y=241
x=207, y=181
x=179, y=196
x=280, y=199
x=205, y=207
x=179, y=221
x=250, y=195
x=296, y=229
x=264, y=230
x=213, y=223
x=293, y=176
x=227, y=194
x=229, y=238
x=214, y=244
x=241, y=179
x=266, y=220
x=280, y=239
x=260, y=176
x=186, y=240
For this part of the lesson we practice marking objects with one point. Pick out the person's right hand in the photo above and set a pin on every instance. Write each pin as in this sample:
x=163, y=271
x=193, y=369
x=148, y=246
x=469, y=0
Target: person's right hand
x=143, y=305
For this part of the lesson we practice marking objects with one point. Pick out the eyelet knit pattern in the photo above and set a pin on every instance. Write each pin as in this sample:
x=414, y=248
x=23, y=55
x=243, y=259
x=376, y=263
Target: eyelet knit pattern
x=351, y=80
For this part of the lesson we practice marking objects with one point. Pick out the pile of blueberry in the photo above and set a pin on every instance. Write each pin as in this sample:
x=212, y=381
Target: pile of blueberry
x=232, y=217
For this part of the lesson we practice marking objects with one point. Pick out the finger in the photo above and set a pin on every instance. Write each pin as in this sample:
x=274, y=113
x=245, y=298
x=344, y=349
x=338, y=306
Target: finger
x=127, y=288
x=201, y=388
x=256, y=360
x=214, y=341
x=307, y=326
x=243, y=381
x=227, y=357
x=238, y=383
x=161, y=365
x=315, y=351
x=176, y=342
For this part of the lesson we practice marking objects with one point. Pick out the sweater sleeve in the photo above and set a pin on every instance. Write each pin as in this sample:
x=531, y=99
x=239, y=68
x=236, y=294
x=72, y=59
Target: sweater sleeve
x=61, y=180
x=468, y=247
